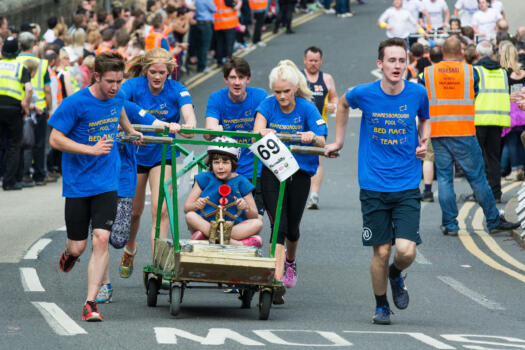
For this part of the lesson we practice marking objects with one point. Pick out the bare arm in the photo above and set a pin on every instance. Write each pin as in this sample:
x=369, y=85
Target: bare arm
x=238, y=5
x=424, y=134
x=49, y=98
x=447, y=17
x=333, y=98
x=212, y=124
x=68, y=85
x=341, y=120
x=59, y=141
x=194, y=201
x=251, y=210
x=27, y=99
x=190, y=121
x=260, y=125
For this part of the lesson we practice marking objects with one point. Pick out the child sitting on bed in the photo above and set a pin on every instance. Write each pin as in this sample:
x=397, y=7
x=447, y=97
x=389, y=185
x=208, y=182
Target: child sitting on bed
x=222, y=162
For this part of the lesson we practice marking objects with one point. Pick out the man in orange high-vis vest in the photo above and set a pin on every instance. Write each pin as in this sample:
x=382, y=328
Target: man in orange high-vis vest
x=224, y=22
x=451, y=87
x=258, y=8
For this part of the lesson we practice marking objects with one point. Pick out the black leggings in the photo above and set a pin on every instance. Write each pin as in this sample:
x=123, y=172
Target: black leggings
x=294, y=201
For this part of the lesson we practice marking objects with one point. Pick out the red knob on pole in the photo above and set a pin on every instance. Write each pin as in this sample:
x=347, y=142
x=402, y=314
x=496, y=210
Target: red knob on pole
x=224, y=190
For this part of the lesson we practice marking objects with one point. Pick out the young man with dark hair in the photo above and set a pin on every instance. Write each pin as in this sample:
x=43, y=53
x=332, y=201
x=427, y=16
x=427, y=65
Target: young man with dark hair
x=84, y=128
x=390, y=144
x=233, y=109
x=324, y=96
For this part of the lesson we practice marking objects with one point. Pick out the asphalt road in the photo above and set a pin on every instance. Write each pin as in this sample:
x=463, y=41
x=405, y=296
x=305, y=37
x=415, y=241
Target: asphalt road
x=466, y=292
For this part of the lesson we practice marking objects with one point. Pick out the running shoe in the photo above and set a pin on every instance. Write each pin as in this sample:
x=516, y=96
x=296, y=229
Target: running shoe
x=254, y=241
x=66, y=261
x=278, y=293
x=399, y=291
x=427, y=196
x=504, y=225
x=90, y=312
x=290, y=274
x=382, y=315
x=126, y=263
x=105, y=294
x=313, y=202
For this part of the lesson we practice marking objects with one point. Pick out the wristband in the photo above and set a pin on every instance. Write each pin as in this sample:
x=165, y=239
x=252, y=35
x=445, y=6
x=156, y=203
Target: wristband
x=382, y=24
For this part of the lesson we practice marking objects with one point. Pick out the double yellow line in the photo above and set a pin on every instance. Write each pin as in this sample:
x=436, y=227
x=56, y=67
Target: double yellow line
x=201, y=77
x=477, y=226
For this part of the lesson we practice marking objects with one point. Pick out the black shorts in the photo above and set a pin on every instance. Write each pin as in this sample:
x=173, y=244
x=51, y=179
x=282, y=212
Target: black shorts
x=141, y=169
x=390, y=215
x=100, y=210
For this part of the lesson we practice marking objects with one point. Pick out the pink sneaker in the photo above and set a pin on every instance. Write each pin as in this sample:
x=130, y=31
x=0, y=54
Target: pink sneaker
x=290, y=274
x=198, y=236
x=254, y=241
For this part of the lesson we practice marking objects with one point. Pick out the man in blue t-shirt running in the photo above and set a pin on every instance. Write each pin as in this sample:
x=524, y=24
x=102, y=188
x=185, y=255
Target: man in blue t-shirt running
x=389, y=169
x=85, y=128
x=233, y=109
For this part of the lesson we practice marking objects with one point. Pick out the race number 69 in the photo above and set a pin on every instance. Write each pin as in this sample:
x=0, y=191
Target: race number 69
x=268, y=148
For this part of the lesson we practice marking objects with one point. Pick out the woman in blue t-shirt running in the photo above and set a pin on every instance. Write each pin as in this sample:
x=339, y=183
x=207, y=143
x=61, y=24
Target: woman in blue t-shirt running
x=289, y=111
x=222, y=162
x=166, y=100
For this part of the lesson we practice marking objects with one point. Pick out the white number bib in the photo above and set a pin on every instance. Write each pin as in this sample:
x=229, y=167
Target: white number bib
x=276, y=156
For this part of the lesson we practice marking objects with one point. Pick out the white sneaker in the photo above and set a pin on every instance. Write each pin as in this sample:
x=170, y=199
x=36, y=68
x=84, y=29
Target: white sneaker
x=348, y=14
x=261, y=44
x=329, y=11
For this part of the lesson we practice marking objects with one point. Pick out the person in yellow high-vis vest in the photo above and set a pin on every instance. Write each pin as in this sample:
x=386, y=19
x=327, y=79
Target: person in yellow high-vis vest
x=15, y=96
x=42, y=88
x=492, y=108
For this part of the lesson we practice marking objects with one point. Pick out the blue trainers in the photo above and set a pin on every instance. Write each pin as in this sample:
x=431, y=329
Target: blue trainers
x=399, y=292
x=105, y=294
x=382, y=315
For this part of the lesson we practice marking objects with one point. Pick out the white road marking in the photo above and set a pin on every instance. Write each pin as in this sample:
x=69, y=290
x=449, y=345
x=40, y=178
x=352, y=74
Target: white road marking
x=147, y=202
x=30, y=280
x=377, y=73
x=416, y=335
x=491, y=340
x=420, y=258
x=270, y=336
x=57, y=319
x=33, y=252
x=216, y=336
x=466, y=266
x=473, y=295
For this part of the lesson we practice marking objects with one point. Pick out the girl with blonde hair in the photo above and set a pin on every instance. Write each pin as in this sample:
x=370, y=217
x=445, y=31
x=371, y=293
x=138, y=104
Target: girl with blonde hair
x=289, y=111
x=512, y=153
x=149, y=87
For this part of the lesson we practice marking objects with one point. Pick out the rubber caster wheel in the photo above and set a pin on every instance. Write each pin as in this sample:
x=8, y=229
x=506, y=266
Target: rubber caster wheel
x=153, y=292
x=265, y=303
x=175, y=300
x=246, y=298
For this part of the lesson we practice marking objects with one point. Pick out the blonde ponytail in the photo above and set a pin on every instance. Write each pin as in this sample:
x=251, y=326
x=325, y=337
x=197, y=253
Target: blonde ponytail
x=139, y=64
x=288, y=71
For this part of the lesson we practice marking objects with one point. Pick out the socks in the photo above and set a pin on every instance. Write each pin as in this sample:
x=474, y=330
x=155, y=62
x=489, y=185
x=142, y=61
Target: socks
x=381, y=300
x=428, y=188
x=394, y=272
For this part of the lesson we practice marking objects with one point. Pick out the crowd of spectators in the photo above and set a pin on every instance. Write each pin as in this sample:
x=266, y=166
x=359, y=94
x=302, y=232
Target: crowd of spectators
x=198, y=33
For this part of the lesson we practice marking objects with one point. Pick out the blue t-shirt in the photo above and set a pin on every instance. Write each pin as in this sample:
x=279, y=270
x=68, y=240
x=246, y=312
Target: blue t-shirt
x=238, y=117
x=389, y=137
x=128, y=162
x=209, y=184
x=165, y=106
x=86, y=119
x=304, y=117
